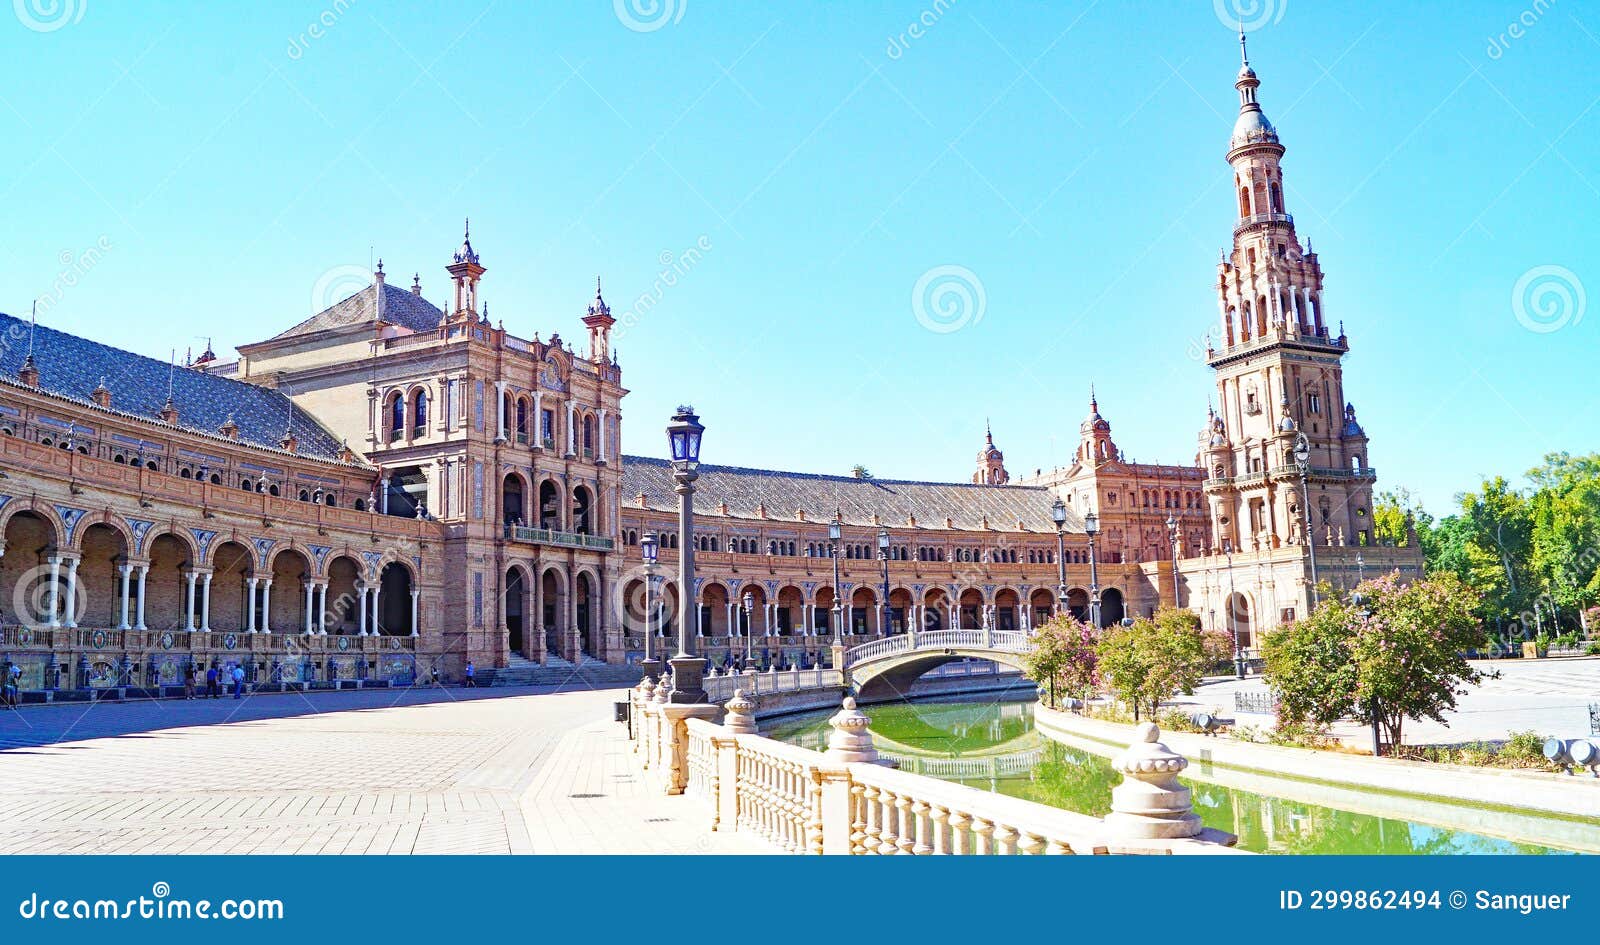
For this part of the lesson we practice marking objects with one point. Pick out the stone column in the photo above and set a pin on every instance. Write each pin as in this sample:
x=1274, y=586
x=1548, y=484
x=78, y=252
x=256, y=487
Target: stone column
x=361, y=607
x=414, y=627
x=538, y=437
x=250, y=603
x=144, y=571
x=310, y=589
x=126, y=571
x=376, y=590
x=322, y=608
x=72, y=592
x=55, y=591
x=572, y=427
x=205, y=602
x=266, y=605
x=190, y=579
x=500, y=411
x=602, y=454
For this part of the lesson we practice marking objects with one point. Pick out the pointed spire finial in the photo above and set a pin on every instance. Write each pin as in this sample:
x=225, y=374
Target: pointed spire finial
x=1244, y=53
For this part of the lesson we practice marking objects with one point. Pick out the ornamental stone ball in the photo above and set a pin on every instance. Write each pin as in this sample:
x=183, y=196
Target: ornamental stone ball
x=1150, y=803
x=740, y=719
x=850, y=740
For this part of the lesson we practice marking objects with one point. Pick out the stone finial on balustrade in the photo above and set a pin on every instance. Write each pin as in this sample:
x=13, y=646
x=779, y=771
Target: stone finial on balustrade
x=741, y=717
x=851, y=740
x=1150, y=804
x=646, y=688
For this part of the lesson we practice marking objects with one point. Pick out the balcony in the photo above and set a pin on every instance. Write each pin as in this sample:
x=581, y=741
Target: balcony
x=549, y=536
x=1260, y=219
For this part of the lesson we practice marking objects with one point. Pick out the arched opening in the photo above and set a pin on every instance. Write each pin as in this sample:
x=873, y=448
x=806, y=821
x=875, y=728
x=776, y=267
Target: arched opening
x=1239, y=623
x=166, y=587
x=552, y=611
x=790, y=611
x=397, y=418
x=1078, y=603
x=516, y=595
x=343, y=611
x=549, y=506
x=751, y=620
x=822, y=622
x=290, y=570
x=394, y=600
x=511, y=500
x=419, y=413
x=1112, y=608
x=25, y=589
x=582, y=510
x=899, y=610
x=232, y=564
x=588, y=436
x=1005, y=610
x=588, y=638
x=970, y=609
x=935, y=610
x=714, y=610
x=99, y=581
x=862, y=605
x=1042, y=604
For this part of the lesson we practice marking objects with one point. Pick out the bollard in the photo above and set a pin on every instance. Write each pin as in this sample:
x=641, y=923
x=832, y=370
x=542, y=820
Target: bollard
x=850, y=740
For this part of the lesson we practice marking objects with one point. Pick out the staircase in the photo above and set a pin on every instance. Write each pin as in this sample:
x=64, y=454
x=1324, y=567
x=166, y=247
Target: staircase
x=590, y=674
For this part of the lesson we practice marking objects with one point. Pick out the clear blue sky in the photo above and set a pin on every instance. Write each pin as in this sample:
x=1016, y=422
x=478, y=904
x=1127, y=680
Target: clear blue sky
x=1070, y=155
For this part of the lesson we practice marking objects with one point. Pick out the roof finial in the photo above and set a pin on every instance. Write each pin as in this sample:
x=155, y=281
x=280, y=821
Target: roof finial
x=33, y=327
x=1094, y=402
x=988, y=431
x=1244, y=54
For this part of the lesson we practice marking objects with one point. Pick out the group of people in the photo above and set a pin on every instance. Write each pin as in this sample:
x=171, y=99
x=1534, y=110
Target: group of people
x=214, y=680
x=11, y=685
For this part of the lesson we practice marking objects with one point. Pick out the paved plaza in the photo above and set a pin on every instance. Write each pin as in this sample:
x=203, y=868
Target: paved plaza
x=1550, y=697
x=413, y=771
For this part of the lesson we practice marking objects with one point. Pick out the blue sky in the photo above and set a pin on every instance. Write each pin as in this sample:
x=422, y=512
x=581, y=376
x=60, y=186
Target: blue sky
x=233, y=167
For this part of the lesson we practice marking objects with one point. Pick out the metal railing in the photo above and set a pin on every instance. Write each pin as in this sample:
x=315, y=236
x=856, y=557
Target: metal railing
x=549, y=536
x=1256, y=703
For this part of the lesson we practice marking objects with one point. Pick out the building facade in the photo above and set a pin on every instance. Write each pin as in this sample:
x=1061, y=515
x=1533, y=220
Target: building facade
x=393, y=487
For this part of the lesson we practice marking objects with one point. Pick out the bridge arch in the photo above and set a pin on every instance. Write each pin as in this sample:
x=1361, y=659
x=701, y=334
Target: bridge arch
x=886, y=669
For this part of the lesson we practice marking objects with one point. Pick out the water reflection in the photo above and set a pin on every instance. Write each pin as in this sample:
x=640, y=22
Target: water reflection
x=994, y=747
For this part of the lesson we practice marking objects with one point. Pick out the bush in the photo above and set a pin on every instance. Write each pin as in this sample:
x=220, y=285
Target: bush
x=1522, y=750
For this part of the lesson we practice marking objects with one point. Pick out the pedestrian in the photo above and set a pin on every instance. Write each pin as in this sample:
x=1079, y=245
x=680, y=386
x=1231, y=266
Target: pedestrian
x=212, y=689
x=238, y=681
x=188, y=682
x=472, y=676
x=433, y=672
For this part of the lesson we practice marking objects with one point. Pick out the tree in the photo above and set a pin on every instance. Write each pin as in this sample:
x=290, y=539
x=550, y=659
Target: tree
x=1064, y=658
x=1388, y=653
x=1152, y=658
x=860, y=472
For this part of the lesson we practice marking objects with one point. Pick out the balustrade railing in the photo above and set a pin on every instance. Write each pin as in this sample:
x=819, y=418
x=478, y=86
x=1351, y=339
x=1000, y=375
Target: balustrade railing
x=721, y=688
x=1011, y=641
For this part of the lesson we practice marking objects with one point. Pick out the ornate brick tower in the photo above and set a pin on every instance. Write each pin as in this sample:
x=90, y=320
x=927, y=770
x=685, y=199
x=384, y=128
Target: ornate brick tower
x=1279, y=371
x=991, y=462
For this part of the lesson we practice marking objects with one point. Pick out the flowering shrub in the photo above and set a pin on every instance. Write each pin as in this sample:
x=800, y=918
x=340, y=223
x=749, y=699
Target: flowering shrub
x=1064, y=660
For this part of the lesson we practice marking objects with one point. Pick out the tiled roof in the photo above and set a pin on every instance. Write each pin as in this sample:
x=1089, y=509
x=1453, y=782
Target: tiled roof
x=72, y=367
x=400, y=307
x=893, y=500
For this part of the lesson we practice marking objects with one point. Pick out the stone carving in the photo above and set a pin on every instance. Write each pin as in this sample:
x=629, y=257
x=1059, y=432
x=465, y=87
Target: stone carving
x=851, y=740
x=1150, y=804
x=741, y=719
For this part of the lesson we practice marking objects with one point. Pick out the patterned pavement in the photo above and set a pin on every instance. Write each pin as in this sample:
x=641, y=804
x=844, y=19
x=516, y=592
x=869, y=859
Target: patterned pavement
x=440, y=771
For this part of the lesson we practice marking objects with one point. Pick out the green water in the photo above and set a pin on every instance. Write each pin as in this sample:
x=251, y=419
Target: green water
x=945, y=738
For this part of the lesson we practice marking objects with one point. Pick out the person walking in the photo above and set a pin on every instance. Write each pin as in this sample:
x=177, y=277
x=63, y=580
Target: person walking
x=212, y=688
x=238, y=681
x=188, y=682
x=472, y=676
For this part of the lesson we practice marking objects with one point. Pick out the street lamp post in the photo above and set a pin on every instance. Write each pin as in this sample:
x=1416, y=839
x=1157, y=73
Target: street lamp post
x=748, y=601
x=688, y=670
x=1172, y=535
x=648, y=548
x=1364, y=611
x=1058, y=514
x=883, y=557
x=1091, y=528
x=1233, y=614
x=1302, y=459
x=835, y=530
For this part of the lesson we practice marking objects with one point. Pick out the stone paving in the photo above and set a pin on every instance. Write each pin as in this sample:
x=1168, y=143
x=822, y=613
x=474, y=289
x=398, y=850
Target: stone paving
x=412, y=771
x=1550, y=697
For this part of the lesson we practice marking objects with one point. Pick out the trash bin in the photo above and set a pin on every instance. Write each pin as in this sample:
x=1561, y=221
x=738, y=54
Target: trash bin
x=621, y=711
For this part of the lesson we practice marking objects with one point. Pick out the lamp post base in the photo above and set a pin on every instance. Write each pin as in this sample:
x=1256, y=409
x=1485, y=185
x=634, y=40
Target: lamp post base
x=688, y=685
x=652, y=668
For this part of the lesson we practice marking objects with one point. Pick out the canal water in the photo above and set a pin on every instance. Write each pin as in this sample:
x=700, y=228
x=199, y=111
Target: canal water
x=993, y=746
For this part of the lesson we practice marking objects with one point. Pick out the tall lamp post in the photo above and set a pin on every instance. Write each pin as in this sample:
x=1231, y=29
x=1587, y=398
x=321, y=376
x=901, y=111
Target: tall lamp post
x=1058, y=514
x=647, y=548
x=688, y=670
x=883, y=557
x=748, y=601
x=1172, y=536
x=1364, y=611
x=1233, y=614
x=1091, y=528
x=1302, y=459
x=835, y=531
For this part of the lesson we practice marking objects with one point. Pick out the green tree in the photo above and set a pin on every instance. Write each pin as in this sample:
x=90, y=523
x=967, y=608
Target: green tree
x=1064, y=659
x=1390, y=652
x=1150, y=659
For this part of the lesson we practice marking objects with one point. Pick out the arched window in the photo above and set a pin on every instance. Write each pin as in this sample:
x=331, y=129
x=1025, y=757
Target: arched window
x=397, y=418
x=1277, y=197
x=419, y=413
x=588, y=435
x=1244, y=201
x=522, y=421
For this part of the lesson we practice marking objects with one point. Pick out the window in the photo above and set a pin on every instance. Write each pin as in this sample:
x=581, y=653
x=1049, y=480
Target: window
x=419, y=413
x=397, y=418
x=1314, y=402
